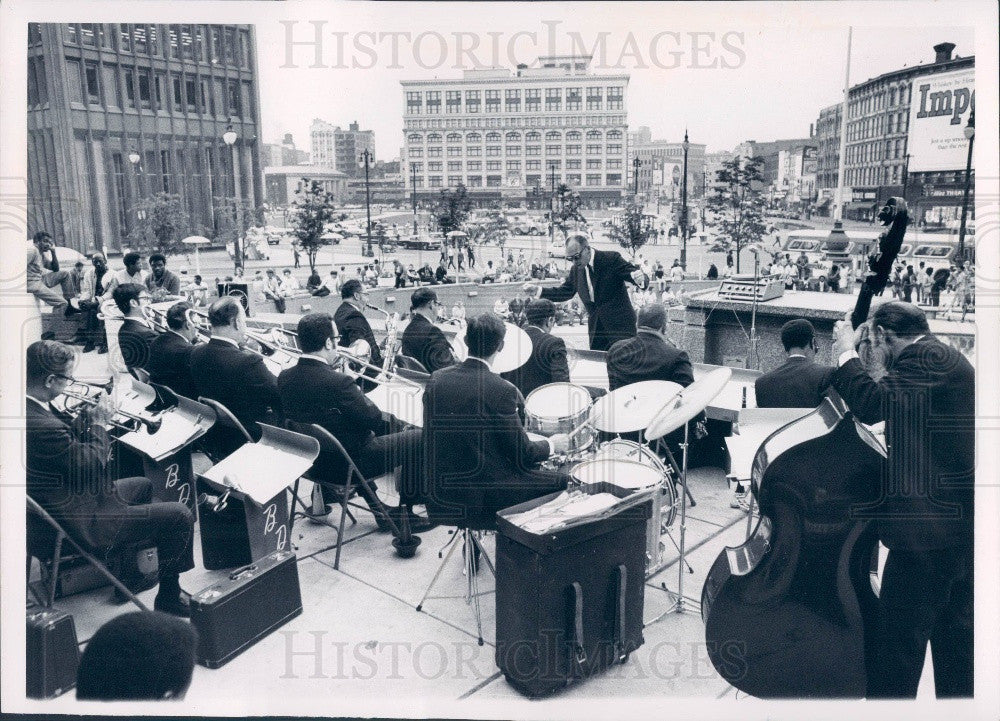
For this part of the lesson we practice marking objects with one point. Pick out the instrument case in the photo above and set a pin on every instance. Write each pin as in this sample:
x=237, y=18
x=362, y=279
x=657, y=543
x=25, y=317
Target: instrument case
x=232, y=615
x=569, y=602
x=52, y=652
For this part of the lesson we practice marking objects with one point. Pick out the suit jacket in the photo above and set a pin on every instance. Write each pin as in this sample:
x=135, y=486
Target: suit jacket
x=474, y=434
x=547, y=364
x=611, y=316
x=927, y=401
x=797, y=383
x=169, y=364
x=427, y=343
x=237, y=379
x=352, y=325
x=67, y=474
x=647, y=357
x=135, y=339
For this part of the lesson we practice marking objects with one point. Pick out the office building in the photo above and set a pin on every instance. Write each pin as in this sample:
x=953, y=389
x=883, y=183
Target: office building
x=332, y=147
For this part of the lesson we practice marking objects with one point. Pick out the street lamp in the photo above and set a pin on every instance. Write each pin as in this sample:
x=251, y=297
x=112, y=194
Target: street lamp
x=635, y=177
x=970, y=134
x=684, y=203
x=413, y=179
x=229, y=138
x=367, y=158
x=906, y=173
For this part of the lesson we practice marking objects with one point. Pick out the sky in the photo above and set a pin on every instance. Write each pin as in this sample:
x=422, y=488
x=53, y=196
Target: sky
x=727, y=75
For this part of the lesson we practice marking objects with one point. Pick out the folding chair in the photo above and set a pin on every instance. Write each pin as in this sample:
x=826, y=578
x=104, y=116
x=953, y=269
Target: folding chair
x=227, y=435
x=412, y=367
x=330, y=445
x=39, y=524
x=140, y=374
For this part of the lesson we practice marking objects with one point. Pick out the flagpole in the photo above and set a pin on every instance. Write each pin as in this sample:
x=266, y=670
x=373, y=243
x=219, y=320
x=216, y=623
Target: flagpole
x=838, y=206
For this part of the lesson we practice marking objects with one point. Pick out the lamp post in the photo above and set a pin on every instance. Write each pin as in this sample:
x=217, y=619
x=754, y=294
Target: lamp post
x=635, y=176
x=229, y=138
x=970, y=134
x=367, y=158
x=906, y=173
x=413, y=182
x=684, y=203
x=552, y=207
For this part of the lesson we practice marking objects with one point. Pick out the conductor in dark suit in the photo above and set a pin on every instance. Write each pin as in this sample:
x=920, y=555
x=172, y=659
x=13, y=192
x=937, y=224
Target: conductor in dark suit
x=421, y=338
x=925, y=509
x=599, y=278
x=649, y=356
x=170, y=353
x=800, y=382
x=68, y=475
x=478, y=457
x=136, y=334
x=351, y=321
x=236, y=378
x=548, y=363
x=313, y=392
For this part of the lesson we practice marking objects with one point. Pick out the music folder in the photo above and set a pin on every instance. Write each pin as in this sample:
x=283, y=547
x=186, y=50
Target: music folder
x=180, y=425
x=262, y=470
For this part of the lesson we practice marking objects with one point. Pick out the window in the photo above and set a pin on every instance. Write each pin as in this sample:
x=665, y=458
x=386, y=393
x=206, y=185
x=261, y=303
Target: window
x=230, y=46
x=414, y=138
x=593, y=149
x=93, y=85
x=573, y=135
x=434, y=166
x=533, y=136
x=416, y=152
x=593, y=164
x=533, y=181
x=533, y=165
x=595, y=98
x=140, y=34
x=513, y=137
x=614, y=135
x=472, y=99
x=573, y=178
x=124, y=38
x=513, y=101
x=533, y=150
x=74, y=87
x=454, y=151
x=434, y=181
x=433, y=98
x=492, y=151
x=492, y=101
x=614, y=149
x=593, y=179
x=557, y=164
x=434, y=138
x=191, y=93
x=573, y=98
x=475, y=181
x=476, y=165
x=187, y=42
x=513, y=150
x=454, y=165
x=453, y=101
x=89, y=33
x=454, y=181
x=245, y=58
x=553, y=99
x=475, y=150
x=473, y=138
x=572, y=150
x=72, y=34
x=614, y=179
x=433, y=152
x=144, y=83
x=492, y=137
x=614, y=164
x=615, y=95
x=494, y=165
x=175, y=42
x=177, y=94
x=493, y=181
x=553, y=150
x=513, y=165
x=234, y=97
x=533, y=99
x=414, y=103
x=416, y=167
x=573, y=165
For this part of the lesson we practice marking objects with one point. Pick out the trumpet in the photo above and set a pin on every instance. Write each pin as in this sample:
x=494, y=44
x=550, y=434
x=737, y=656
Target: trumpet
x=83, y=399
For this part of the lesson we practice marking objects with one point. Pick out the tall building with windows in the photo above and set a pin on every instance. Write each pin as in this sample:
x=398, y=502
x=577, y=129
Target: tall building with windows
x=510, y=136
x=661, y=167
x=339, y=149
x=119, y=112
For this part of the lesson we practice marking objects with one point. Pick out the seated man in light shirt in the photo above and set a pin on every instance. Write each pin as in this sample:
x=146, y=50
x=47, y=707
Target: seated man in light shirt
x=289, y=284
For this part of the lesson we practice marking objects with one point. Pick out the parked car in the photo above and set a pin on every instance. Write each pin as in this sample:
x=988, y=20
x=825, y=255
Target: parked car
x=274, y=235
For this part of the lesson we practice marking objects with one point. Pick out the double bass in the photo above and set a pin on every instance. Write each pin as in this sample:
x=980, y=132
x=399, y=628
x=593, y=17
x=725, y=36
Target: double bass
x=791, y=612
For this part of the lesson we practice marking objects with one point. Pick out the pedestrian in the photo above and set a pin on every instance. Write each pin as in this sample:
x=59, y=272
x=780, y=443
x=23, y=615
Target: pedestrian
x=295, y=253
x=729, y=260
x=713, y=273
x=833, y=280
x=909, y=281
x=470, y=254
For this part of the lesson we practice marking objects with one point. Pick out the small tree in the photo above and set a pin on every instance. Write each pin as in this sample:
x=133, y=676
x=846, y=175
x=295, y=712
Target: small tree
x=452, y=209
x=496, y=230
x=738, y=204
x=567, y=210
x=161, y=222
x=311, y=210
x=632, y=229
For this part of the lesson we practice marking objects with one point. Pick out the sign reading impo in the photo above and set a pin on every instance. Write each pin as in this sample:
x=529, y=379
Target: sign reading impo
x=939, y=111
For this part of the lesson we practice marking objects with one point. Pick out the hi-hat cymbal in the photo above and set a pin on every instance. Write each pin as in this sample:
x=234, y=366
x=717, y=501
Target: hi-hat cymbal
x=688, y=403
x=632, y=407
x=515, y=352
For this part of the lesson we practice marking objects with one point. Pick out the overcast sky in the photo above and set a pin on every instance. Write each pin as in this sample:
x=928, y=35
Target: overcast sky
x=774, y=67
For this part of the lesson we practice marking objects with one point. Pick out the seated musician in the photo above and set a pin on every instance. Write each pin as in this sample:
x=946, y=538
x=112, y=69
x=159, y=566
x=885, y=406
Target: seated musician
x=649, y=356
x=353, y=325
x=800, y=382
x=136, y=334
x=170, y=353
x=238, y=379
x=68, y=475
x=421, y=338
x=313, y=392
x=548, y=363
x=479, y=457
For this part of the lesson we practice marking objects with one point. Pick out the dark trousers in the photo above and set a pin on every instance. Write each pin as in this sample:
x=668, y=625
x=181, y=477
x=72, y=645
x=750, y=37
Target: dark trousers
x=168, y=525
x=521, y=489
x=925, y=596
x=380, y=455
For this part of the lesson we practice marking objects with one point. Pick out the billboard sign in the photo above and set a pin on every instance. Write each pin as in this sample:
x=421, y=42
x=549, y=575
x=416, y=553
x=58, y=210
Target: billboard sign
x=939, y=111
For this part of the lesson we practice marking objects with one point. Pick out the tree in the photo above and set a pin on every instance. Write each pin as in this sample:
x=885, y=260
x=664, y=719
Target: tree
x=567, y=210
x=311, y=210
x=738, y=204
x=496, y=229
x=452, y=209
x=632, y=229
x=161, y=223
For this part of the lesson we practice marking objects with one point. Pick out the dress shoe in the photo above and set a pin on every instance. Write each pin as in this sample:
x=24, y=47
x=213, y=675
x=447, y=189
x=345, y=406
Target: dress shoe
x=88, y=347
x=179, y=605
x=102, y=350
x=317, y=518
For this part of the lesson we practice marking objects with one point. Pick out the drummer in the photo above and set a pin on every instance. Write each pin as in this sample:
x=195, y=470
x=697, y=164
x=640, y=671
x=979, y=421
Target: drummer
x=548, y=363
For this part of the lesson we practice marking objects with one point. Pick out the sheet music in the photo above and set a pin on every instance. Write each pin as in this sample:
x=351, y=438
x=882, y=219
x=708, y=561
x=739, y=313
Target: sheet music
x=259, y=471
x=563, y=510
x=174, y=433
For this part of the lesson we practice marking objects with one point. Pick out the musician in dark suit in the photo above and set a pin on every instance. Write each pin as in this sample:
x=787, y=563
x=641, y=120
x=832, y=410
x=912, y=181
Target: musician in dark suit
x=800, y=382
x=479, y=458
x=236, y=378
x=547, y=363
x=170, y=353
x=648, y=356
x=925, y=507
x=313, y=392
x=351, y=321
x=136, y=334
x=599, y=278
x=68, y=475
x=421, y=338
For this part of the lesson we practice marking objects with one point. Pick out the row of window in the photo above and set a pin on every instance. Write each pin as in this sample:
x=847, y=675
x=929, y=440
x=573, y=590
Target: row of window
x=889, y=175
x=531, y=121
x=512, y=165
x=138, y=88
x=882, y=98
x=429, y=102
x=513, y=136
x=495, y=151
x=223, y=44
x=531, y=181
x=869, y=152
x=878, y=126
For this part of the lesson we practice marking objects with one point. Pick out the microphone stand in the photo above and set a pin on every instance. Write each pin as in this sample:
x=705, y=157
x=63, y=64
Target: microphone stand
x=752, y=358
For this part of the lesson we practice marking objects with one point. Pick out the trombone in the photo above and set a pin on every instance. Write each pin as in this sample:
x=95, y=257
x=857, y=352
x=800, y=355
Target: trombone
x=381, y=374
x=92, y=398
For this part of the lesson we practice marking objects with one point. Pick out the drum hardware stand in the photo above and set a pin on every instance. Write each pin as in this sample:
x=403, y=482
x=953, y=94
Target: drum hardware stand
x=661, y=445
x=678, y=605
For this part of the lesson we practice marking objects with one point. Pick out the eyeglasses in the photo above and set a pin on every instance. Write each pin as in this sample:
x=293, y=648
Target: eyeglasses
x=575, y=257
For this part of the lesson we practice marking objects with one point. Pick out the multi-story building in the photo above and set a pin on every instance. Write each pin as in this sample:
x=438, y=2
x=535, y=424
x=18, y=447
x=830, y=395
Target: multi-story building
x=119, y=112
x=340, y=149
x=796, y=181
x=713, y=164
x=769, y=152
x=283, y=153
x=509, y=137
x=284, y=181
x=661, y=167
x=827, y=156
x=878, y=143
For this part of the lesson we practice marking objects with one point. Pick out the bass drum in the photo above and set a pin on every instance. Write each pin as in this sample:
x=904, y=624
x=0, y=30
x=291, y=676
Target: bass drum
x=631, y=451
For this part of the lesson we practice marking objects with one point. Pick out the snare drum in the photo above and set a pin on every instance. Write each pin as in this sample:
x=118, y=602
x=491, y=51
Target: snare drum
x=631, y=478
x=559, y=408
x=632, y=451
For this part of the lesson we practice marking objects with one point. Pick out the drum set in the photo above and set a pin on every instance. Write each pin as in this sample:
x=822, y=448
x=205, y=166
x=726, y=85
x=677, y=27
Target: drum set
x=639, y=465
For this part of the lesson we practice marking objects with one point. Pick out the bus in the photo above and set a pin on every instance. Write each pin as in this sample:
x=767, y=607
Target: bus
x=823, y=252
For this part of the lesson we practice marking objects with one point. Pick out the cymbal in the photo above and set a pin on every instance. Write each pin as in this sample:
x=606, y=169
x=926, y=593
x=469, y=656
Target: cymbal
x=632, y=407
x=688, y=403
x=515, y=352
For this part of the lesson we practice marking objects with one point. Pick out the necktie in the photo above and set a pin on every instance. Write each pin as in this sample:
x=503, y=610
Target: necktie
x=587, y=287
